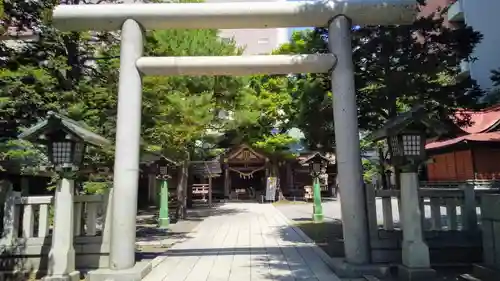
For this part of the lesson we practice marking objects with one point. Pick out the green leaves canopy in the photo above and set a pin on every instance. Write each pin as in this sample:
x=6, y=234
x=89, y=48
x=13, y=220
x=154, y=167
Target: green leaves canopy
x=396, y=67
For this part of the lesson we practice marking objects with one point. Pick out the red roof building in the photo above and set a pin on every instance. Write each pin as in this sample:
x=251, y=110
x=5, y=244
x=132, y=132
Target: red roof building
x=472, y=153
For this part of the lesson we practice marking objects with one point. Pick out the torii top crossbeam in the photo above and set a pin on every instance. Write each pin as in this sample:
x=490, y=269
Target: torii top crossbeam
x=109, y=17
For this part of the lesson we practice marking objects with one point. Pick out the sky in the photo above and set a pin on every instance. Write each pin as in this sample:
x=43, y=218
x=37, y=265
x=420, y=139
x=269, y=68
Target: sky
x=291, y=30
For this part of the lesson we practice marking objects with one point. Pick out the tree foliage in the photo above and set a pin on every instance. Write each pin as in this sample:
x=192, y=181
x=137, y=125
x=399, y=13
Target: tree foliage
x=50, y=74
x=396, y=67
x=493, y=97
x=76, y=74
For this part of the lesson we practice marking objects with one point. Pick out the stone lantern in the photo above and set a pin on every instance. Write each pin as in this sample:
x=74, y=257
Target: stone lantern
x=66, y=141
x=405, y=136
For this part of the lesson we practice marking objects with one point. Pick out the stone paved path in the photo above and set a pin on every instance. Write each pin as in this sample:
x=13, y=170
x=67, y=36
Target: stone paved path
x=242, y=242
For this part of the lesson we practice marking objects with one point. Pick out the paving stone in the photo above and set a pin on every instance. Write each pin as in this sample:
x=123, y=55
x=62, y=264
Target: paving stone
x=242, y=242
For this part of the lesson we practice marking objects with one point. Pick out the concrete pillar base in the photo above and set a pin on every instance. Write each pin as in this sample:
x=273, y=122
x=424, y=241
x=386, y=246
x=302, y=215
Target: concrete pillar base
x=415, y=274
x=136, y=273
x=343, y=269
x=73, y=276
x=318, y=217
x=486, y=273
x=164, y=223
x=415, y=254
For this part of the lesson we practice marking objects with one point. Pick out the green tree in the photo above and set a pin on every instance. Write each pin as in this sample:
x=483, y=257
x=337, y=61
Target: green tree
x=49, y=74
x=396, y=67
x=180, y=110
x=493, y=97
x=311, y=95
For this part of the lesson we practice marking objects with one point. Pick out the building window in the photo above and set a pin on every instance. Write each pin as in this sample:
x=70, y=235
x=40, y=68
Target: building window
x=263, y=41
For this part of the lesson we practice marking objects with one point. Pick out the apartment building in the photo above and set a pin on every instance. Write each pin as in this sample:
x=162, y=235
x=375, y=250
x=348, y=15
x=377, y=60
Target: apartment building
x=480, y=15
x=255, y=41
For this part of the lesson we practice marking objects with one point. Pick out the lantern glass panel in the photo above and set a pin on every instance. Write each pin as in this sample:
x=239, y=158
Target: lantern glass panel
x=395, y=146
x=316, y=168
x=385, y=146
x=411, y=145
x=163, y=170
x=78, y=153
x=61, y=152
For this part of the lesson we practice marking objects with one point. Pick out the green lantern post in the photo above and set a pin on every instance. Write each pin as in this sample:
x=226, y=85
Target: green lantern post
x=317, y=207
x=164, y=219
x=316, y=162
x=161, y=167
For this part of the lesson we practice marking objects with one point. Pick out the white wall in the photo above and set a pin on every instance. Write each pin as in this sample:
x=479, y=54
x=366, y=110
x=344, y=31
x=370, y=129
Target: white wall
x=255, y=41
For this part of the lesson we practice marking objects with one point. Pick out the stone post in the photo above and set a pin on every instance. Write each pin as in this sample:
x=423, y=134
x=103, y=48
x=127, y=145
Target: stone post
x=348, y=153
x=9, y=213
x=416, y=261
x=61, y=265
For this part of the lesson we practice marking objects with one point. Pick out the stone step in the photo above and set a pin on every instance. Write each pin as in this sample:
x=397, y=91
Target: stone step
x=468, y=277
x=485, y=273
x=371, y=278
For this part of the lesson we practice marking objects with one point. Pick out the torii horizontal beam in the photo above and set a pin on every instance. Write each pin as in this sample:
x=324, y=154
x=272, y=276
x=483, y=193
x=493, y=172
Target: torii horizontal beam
x=236, y=65
x=108, y=17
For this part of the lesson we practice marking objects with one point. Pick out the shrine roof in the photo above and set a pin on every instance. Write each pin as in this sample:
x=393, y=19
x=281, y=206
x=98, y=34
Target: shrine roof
x=244, y=152
x=481, y=121
x=480, y=137
x=483, y=127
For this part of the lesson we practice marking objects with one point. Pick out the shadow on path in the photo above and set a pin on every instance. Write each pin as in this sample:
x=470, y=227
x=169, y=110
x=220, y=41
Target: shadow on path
x=153, y=241
x=328, y=235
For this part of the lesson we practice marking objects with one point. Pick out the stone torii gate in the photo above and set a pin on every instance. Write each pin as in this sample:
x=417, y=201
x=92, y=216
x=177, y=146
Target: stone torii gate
x=133, y=19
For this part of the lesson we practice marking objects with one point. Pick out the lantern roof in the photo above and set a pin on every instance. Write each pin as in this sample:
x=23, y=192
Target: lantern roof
x=316, y=156
x=54, y=121
x=415, y=119
x=149, y=157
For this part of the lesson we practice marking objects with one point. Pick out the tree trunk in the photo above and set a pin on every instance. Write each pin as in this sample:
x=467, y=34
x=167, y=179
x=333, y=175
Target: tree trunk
x=182, y=190
x=275, y=173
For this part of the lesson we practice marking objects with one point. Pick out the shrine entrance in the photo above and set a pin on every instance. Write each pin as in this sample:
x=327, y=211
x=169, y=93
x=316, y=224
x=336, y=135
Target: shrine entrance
x=245, y=173
x=133, y=19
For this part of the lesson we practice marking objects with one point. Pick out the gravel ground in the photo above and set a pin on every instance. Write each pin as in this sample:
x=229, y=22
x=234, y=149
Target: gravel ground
x=328, y=235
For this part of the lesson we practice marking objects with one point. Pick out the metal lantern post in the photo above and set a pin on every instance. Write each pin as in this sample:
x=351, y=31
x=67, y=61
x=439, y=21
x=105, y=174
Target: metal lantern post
x=66, y=141
x=162, y=175
x=317, y=207
x=316, y=162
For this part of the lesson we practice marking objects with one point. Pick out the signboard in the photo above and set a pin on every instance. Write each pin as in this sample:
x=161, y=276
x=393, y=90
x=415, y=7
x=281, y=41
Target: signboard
x=271, y=187
x=208, y=168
